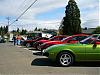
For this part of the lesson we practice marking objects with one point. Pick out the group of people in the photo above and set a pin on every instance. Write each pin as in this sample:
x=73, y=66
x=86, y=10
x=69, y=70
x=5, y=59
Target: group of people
x=17, y=39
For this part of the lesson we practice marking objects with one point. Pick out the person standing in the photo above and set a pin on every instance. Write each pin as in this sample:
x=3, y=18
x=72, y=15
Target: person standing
x=14, y=40
x=18, y=40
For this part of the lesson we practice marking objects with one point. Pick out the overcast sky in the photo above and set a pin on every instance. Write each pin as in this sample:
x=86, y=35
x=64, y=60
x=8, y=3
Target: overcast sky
x=46, y=13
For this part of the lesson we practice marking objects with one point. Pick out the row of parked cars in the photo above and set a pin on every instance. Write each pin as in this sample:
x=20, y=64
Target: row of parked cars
x=65, y=50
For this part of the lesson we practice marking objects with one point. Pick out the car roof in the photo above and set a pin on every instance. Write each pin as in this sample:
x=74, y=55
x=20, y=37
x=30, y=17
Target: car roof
x=80, y=35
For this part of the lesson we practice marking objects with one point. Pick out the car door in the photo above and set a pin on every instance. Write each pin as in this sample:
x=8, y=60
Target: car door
x=92, y=52
x=80, y=52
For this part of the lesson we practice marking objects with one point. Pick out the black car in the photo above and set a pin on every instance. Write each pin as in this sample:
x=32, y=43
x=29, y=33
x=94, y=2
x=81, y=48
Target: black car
x=2, y=40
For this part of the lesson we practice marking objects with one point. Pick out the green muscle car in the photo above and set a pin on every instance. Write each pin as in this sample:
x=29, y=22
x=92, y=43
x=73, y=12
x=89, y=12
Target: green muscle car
x=65, y=54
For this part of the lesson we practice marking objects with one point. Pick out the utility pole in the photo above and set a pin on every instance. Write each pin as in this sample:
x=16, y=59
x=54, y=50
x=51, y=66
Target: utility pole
x=7, y=29
x=8, y=19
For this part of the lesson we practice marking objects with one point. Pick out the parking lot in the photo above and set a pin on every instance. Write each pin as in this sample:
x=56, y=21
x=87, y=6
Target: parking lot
x=21, y=60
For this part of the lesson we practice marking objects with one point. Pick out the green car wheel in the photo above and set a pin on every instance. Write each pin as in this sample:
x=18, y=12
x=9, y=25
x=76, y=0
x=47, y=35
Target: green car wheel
x=65, y=59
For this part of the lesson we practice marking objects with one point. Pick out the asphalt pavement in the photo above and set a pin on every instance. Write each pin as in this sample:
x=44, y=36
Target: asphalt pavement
x=18, y=60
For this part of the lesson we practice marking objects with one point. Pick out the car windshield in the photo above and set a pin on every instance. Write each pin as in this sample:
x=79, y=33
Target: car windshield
x=89, y=40
x=51, y=38
x=66, y=38
x=56, y=38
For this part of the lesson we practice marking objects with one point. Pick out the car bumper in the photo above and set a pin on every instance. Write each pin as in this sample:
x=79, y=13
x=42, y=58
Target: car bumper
x=45, y=54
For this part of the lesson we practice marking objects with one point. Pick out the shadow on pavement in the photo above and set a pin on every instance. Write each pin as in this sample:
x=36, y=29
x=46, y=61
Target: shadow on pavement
x=86, y=64
x=38, y=53
x=42, y=62
x=48, y=62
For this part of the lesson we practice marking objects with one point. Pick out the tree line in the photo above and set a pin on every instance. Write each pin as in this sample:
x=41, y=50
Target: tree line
x=97, y=30
x=3, y=30
x=20, y=32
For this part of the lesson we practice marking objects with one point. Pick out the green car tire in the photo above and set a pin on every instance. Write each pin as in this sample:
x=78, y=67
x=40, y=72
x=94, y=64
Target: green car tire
x=65, y=59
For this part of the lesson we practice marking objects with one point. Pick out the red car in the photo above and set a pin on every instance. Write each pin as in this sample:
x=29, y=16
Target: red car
x=55, y=38
x=30, y=42
x=70, y=39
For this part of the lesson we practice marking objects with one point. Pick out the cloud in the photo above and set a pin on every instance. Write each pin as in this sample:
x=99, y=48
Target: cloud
x=13, y=8
x=32, y=24
x=91, y=23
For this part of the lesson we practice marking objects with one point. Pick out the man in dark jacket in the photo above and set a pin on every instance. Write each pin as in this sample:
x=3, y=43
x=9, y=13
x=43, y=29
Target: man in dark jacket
x=14, y=40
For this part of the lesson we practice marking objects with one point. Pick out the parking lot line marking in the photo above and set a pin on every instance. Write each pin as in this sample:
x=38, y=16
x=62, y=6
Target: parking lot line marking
x=26, y=48
x=18, y=46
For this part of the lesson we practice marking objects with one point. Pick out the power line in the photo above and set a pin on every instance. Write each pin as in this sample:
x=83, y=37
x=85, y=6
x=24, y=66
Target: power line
x=24, y=12
x=21, y=4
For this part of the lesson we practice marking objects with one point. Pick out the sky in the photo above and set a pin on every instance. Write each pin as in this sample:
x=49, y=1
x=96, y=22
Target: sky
x=46, y=13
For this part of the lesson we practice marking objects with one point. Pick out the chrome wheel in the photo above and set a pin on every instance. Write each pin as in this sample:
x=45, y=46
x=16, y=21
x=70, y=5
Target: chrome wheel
x=27, y=45
x=65, y=59
x=38, y=47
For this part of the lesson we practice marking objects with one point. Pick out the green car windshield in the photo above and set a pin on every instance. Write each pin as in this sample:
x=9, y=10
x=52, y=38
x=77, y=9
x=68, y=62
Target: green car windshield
x=90, y=39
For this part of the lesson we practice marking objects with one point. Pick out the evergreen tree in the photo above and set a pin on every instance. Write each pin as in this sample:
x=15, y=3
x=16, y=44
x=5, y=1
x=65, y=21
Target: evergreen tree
x=14, y=32
x=71, y=22
x=35, y=29
x=6, y=30
x=39, y=29
x=18, y=30
x=0, y=30
x=23, y=32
